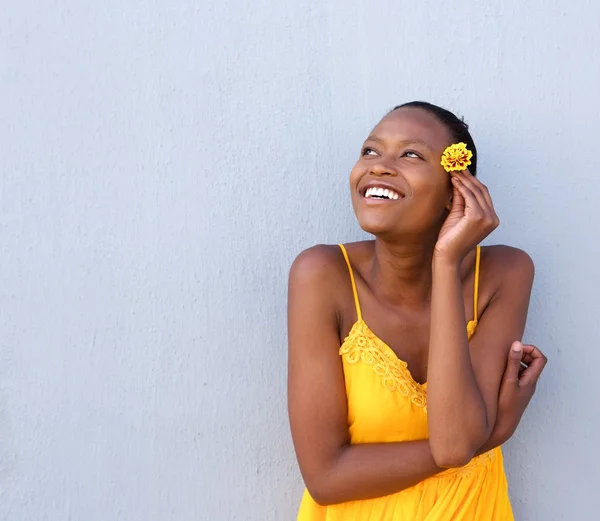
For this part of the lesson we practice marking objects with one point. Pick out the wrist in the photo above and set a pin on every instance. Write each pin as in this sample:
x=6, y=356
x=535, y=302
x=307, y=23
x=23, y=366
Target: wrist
x=446, y=263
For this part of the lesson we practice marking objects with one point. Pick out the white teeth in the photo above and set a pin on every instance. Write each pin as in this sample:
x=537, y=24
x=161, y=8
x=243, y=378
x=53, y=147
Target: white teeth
x=382, y=192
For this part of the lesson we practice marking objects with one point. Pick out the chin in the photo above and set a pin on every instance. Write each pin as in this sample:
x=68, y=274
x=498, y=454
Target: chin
x=377, y=227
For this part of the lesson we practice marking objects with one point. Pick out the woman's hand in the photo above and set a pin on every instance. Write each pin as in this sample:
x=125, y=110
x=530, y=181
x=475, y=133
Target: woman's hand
x=525, y=365
x=471, y=219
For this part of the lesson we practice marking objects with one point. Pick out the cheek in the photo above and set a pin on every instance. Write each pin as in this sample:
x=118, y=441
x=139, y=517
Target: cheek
x=355, y=173
x=431, y=186
x=432, y=194
x=352, y=184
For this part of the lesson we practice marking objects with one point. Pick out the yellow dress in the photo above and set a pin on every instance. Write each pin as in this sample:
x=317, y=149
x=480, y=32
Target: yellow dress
x=385, y=404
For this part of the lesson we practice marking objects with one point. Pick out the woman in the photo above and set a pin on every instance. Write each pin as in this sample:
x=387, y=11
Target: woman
x=405, y=420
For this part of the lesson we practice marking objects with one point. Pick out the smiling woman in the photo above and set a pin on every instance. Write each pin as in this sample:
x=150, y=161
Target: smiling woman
x=402, y=380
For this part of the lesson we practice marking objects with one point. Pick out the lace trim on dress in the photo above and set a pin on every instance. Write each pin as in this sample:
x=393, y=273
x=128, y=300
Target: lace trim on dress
x=361, y=345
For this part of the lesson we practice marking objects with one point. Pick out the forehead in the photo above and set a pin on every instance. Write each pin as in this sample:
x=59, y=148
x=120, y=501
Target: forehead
x=408, y=124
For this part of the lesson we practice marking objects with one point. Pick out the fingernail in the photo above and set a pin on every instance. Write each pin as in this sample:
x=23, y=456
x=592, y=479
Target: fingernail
x=517, y=347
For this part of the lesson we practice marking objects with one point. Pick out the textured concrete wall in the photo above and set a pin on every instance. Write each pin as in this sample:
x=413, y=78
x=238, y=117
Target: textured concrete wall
x=161, y=165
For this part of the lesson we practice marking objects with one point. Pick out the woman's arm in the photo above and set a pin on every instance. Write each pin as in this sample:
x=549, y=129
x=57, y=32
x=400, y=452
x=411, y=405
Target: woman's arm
x=334, y=470
x=464, y=378
x=523, y=370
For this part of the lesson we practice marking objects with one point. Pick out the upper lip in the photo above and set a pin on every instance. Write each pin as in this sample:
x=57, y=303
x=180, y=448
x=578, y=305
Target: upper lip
x=379, y=184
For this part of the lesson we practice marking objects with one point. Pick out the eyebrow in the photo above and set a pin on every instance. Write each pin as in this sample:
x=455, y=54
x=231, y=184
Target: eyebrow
x=404, y=142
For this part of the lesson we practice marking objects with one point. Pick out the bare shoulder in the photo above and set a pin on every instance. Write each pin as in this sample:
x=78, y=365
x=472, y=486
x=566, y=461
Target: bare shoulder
x=318, y=293
x=320, y=263
x=508, y=259
x=320, y=270
x=508, y=266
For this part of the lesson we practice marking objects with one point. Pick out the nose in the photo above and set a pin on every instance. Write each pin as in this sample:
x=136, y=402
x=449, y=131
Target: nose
x=382, y=168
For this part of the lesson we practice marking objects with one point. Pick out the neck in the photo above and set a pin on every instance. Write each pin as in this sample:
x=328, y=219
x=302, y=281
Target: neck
x=402, y=271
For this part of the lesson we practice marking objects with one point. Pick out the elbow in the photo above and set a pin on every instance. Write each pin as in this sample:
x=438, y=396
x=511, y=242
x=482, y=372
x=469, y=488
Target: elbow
x=456, y=449
x=453, y=456
x=321, y=493
x=452, y=460
x=325, y=489
x=321, y=500
x=325, y=484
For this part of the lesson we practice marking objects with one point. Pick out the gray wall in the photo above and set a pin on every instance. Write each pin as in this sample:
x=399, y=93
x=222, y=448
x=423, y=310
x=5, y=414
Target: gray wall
x=161, y=165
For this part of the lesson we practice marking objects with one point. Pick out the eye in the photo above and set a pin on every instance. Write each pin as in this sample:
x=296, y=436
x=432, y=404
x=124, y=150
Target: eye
x=411, y=154
x=368, y=152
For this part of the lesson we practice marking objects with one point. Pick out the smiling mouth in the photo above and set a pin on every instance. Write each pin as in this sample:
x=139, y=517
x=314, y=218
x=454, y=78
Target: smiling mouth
x=381, y=194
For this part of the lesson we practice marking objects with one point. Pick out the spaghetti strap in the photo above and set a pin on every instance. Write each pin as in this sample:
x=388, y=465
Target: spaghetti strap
x=354, y=291
x=476, y=290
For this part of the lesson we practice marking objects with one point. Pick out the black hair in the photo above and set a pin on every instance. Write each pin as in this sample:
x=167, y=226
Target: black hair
x=457, y=127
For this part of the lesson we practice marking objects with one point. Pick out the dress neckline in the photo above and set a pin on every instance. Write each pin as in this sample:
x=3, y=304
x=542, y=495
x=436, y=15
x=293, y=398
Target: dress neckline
x=385, y=347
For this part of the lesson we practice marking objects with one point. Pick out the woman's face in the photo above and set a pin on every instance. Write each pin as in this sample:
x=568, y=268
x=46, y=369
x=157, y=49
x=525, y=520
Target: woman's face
x=402, y=155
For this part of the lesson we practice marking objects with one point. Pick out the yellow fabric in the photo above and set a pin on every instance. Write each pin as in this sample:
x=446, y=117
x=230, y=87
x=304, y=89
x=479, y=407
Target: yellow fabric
x=386, y=404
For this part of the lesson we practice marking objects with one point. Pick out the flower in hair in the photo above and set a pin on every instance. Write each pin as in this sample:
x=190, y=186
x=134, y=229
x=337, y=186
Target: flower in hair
x=456, y=157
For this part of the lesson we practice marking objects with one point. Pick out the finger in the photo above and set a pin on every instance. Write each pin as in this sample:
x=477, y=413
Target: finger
x=532, y=350
x=530, y=353
x=483, y=188
x=457, y=198
x=488, y=197
x=511, y=373
x=526, y=359
x=531, y=375
x=457, y=202
x=475, y=186
x=471, y=201
x=483, y=198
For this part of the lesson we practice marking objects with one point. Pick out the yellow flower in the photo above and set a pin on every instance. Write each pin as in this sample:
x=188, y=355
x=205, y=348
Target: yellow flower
x=456, y=157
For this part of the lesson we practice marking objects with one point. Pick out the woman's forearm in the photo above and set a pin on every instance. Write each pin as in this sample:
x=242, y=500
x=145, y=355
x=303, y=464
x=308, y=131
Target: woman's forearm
x=457, y=416
x=370, y=470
